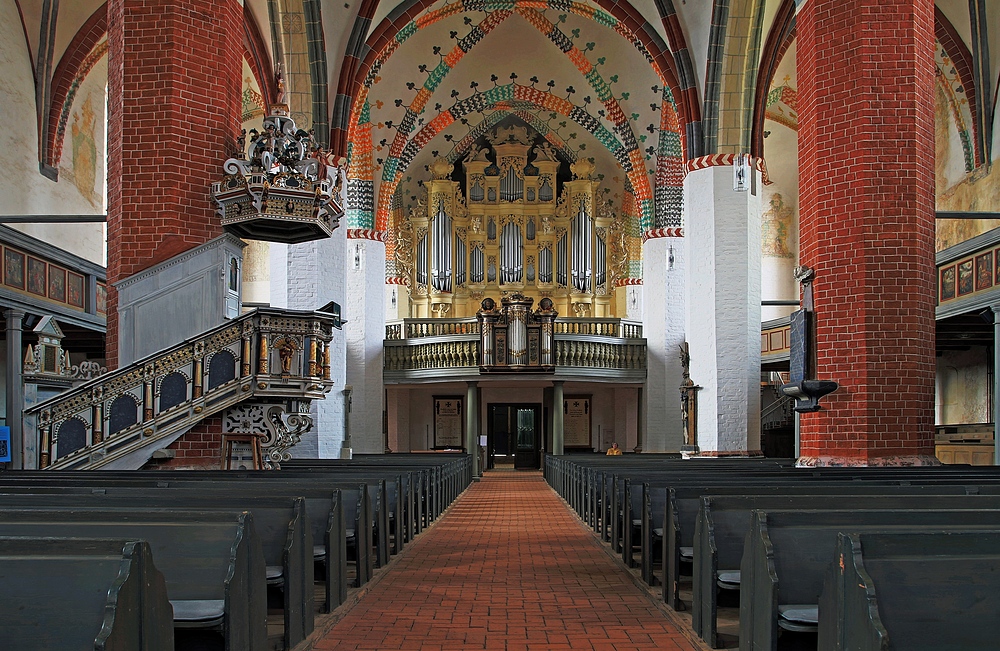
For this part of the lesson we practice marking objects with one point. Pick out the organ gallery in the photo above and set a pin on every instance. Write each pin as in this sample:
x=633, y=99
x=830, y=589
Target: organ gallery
x=524, y=220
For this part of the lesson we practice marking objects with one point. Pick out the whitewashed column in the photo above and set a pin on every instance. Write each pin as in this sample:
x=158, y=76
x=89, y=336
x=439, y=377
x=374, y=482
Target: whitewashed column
x=306, y=277
x=364, y=309
x=663, y=304
x=722, y=231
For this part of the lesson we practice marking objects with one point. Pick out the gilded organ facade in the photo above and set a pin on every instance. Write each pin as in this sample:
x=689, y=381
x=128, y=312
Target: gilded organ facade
x=512, y=227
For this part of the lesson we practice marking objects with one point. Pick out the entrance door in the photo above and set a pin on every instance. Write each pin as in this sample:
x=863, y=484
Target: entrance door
x=514, y=435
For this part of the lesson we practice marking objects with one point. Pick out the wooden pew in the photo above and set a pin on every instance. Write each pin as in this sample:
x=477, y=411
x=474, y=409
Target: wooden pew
x=684, y=502
x=329, y=505
x=915, y=591
x=787, y=553
x=65, y=593
x=724, y=521
x=212, y=564
x=280, y=523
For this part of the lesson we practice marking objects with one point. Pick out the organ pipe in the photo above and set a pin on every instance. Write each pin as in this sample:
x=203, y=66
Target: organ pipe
x=441, y=250
x=459, y=262
x=421, y=267
x=511, y=254
x=600, y=262
x=510, y=227
x=582, y=262
x=478, y=265
x=561, y=261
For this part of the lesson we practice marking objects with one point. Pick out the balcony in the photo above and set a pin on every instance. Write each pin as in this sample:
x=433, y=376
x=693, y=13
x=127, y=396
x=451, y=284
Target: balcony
x=585, y=349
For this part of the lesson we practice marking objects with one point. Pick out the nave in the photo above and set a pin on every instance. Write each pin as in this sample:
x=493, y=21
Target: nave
x=508, y=566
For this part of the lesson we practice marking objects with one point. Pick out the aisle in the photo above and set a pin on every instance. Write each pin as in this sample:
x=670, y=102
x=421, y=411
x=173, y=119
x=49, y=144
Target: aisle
x=509, y=566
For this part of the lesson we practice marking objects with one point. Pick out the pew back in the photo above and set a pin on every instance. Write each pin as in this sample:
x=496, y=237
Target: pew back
x=915, y=591
x=73, y=593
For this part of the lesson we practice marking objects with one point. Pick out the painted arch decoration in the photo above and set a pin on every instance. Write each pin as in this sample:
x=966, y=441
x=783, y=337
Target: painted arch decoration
x=656, y=216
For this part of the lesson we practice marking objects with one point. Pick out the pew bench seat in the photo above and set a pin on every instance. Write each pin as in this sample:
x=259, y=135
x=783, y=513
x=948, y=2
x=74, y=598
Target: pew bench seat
x=199, y=613
x=799, y=618
x=729, y=580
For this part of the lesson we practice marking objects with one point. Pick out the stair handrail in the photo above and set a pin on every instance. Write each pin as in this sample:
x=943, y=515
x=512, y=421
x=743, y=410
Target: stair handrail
x=273, y=352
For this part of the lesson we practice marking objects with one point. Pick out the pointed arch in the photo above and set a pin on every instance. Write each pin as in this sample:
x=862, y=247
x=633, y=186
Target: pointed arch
x=954, y=72
x=401, y=24
x=669, y=155
x=779, y=39
x=87, y=47
x=630, y=159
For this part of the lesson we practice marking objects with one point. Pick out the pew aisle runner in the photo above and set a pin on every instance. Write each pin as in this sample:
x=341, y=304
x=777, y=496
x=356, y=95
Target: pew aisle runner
x=508, y=566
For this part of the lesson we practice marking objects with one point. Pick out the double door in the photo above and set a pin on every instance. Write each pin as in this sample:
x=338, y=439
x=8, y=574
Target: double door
x=514, y=436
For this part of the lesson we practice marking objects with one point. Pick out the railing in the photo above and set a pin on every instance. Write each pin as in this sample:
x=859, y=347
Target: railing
x=777, y=414
x=449, y=348
x=437, y=355
x=623, y=356
x=265, y=353
x=602, y=327
x=416, y=328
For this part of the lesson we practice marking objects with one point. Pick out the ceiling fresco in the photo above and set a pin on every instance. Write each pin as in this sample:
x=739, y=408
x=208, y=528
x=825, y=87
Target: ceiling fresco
x=576, y=74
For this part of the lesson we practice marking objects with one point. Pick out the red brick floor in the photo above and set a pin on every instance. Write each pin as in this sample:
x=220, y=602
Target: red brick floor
x=508, y=566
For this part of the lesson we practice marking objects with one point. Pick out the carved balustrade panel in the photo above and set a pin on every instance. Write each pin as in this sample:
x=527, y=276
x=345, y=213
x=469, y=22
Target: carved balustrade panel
x=265, y=352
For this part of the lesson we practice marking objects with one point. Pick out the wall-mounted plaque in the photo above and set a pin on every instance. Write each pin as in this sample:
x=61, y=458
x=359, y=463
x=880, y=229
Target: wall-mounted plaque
x=576, y=421
x=448, y=422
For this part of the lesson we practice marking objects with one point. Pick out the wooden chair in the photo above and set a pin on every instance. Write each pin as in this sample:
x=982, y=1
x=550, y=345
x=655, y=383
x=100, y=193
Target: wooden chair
x=241, y=438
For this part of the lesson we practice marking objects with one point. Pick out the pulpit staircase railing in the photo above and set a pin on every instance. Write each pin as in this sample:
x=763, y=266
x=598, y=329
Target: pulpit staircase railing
x=267, y=354
x=777, y=412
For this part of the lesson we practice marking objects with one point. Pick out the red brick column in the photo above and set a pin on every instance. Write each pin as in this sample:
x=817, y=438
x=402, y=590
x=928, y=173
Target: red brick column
x=866, y=173
x=174, y=82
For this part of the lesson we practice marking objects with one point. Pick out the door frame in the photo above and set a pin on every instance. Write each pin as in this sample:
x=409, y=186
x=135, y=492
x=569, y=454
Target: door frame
x=491, y=408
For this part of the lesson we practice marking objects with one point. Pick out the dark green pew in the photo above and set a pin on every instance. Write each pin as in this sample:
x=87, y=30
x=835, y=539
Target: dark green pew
x=329, y=505
x=684, y=502
x=724, y=521
x=919, y=592
x=212, y=563
x=74, y=593
x=787, y=553
x=280, y=524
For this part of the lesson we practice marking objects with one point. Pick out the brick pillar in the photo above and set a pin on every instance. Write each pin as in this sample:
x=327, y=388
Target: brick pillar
x=866, y=174
x=174, y=82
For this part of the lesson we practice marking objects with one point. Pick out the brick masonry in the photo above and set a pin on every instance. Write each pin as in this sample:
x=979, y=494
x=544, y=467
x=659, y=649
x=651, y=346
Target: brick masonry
x=199, y=449
x=866, y=145
x=175, y=67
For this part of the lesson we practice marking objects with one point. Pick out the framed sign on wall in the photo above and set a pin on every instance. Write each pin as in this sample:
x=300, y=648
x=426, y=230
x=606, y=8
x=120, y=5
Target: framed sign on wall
x=576, y=421
x=448, y=422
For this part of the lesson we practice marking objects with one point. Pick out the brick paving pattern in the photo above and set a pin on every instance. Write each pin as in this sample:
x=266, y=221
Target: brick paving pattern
x=509, y=566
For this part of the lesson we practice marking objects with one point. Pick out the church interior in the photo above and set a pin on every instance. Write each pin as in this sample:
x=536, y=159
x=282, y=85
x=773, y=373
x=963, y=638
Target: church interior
x=251, y=234
x=647, y=170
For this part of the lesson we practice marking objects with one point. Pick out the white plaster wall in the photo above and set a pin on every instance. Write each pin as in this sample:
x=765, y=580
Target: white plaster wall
x=314, y=275
x=257, y=273
x=663, y=326
x=780, y=202
x=27, y=192
x=397, y=406
x=364, y=309
x=626, y=414
x=723, y=317
x=278, y=255
x=962, y=387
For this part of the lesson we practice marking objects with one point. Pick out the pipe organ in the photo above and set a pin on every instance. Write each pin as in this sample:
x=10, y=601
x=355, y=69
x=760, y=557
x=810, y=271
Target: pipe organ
x=512, y=227
x=512, y=338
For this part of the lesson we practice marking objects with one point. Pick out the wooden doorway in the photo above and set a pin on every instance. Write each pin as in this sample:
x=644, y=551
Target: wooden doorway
x=514, y=436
